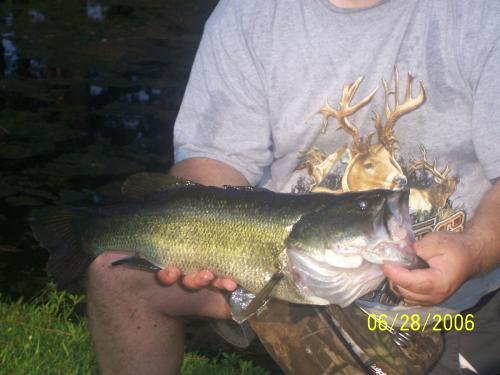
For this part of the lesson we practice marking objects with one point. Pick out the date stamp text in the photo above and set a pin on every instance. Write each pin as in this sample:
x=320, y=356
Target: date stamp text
x=418, y=322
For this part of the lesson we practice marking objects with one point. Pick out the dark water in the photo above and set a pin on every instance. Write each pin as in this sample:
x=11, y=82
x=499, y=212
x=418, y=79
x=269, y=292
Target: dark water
x=89, y=91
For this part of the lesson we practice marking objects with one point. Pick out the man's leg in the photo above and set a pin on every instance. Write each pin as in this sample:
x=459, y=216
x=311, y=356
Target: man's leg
x=474, y=350
x=134, y=321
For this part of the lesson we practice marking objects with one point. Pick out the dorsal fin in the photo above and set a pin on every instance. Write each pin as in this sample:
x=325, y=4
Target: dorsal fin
x=141, y=186
x=244, y=188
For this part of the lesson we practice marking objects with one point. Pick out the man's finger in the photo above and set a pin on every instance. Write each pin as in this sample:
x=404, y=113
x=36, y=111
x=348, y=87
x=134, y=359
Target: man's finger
x=410, y=298
x=169, y=275
x=398, y=275
x=226, y=284
x=197, y=280
x=418, y=281
x=412, y=302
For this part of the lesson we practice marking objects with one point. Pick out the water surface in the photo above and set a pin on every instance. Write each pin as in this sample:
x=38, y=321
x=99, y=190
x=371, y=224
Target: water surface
x=89, y=91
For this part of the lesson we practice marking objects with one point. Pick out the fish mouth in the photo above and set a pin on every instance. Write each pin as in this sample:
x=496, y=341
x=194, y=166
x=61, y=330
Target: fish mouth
x=388, y=238
x=392, y=233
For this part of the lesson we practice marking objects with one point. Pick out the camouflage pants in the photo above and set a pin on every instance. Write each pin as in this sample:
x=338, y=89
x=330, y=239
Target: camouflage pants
x=331, y=340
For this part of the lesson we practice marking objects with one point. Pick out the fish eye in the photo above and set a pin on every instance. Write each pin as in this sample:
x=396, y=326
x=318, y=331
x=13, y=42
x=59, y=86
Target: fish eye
x=363, y=204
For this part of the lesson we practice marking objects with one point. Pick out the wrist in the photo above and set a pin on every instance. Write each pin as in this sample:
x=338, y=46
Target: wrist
x=475, y=246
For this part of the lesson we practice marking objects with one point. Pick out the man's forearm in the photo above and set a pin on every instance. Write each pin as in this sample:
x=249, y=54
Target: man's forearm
x=483, y=230
x=207, y=171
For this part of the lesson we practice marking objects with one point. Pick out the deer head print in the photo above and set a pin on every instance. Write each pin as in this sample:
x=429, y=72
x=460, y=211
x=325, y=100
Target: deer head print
x=369, y=165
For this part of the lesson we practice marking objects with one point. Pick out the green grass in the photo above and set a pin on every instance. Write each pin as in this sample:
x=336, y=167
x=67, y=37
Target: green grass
x=43, y=336
x=226, y=364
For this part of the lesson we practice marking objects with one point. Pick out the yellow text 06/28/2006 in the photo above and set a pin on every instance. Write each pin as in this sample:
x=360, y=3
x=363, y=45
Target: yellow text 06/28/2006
x=417, y=322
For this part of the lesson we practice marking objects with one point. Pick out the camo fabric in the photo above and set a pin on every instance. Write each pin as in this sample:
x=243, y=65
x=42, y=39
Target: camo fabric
x=332, y=340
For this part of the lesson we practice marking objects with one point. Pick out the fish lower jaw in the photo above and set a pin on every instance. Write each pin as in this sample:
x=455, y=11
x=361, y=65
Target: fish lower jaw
x=398, y=252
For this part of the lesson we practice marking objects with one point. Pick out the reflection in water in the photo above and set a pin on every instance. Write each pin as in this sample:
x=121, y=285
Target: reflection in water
x=95, y=11
x=89, y=93
x=36, y=16
x=36, y=68
x=9, y=54
x=8, y=19
x=95, y=90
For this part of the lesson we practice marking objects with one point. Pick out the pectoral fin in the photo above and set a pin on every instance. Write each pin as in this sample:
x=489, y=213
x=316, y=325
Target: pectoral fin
x=244, y=304
x=135, y=261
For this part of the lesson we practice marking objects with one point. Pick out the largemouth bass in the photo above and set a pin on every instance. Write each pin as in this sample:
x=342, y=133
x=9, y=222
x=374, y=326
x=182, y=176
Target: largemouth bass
x=327, y=249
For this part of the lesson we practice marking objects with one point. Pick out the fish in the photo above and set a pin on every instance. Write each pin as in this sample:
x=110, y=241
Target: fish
x=315, y=248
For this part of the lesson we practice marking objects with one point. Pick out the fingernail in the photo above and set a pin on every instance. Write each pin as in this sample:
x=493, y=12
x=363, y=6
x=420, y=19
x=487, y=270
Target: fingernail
x=230, y=285
x=206, y=276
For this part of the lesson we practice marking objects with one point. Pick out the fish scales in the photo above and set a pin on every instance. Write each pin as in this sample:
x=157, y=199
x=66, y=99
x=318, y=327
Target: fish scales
x=236, y=236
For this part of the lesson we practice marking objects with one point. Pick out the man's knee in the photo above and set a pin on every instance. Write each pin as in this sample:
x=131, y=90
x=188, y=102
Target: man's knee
x=102, y=275
x=122, y=285
x=119, y=290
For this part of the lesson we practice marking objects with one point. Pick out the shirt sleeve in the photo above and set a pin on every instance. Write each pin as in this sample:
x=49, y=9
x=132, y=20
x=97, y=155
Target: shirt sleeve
x=224, y=113
x=480, y=40
x=486, y=115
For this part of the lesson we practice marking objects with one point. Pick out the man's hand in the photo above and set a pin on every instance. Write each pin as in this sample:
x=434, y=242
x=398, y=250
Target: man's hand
x=452, y=257
x=195, y=280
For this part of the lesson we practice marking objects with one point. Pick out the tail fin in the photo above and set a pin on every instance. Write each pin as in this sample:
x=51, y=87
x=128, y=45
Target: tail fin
x=58, y=232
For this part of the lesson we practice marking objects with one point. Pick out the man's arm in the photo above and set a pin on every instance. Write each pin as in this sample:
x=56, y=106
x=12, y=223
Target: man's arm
x=453, y=257
x=211, y=172
x=207, y=171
